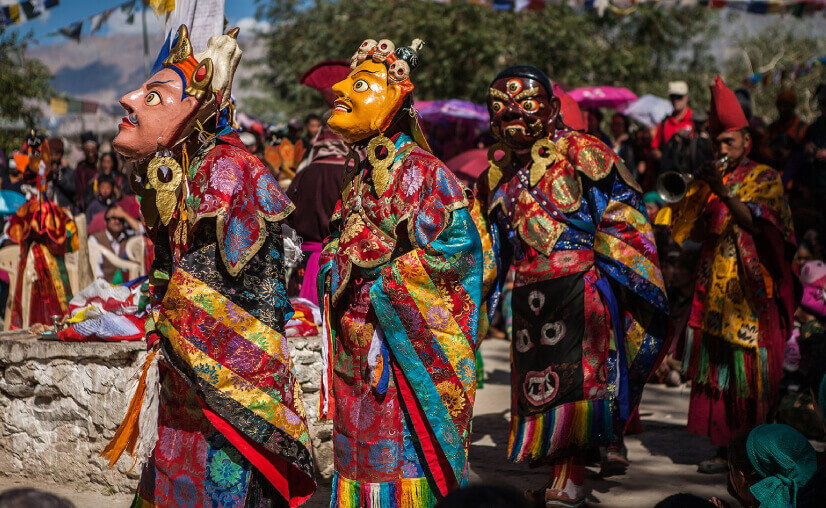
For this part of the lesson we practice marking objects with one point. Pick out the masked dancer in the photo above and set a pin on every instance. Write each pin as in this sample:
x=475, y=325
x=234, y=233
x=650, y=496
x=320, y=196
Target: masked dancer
x=589, y=306
x=231, y=427
x=402, y=278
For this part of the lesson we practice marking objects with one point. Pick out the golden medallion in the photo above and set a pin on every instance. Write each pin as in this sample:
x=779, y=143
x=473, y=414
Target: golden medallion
x=165, y=176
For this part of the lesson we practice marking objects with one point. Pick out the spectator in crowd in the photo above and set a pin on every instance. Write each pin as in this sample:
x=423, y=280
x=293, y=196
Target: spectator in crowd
x=815, y=146
x=312, y=124
x=62, y=177
x=680, y=119
x=104, y=197
x=644, y=155
x=108, y=166
x=314, y=191
x=113, y=238
x=653, y=204
x=13, y=178
x=701, y=146
x=768, y=466
x=689, y=145
x=788, y=124
x=439, y=136
x=250, y=141
x=87, y=169
x=294, y=130
x=621, y=142
x=813, y=368
x=26, y=497
x=757, y=127
x=594, y=117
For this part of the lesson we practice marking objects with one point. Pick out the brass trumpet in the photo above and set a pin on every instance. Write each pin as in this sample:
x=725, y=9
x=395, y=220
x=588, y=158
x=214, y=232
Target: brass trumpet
x=672, y=186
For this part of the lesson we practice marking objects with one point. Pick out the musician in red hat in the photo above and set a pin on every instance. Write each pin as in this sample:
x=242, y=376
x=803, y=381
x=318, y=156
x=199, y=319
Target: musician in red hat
x=743, y=298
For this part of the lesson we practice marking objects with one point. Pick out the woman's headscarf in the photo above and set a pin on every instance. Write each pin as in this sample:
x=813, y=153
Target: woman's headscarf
x=785, y=460
x=653, y=197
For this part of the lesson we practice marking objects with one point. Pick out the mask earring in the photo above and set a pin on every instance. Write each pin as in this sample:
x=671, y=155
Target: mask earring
x=543, y=154
x=165, y=176
x=495, y=167
x=381, y=167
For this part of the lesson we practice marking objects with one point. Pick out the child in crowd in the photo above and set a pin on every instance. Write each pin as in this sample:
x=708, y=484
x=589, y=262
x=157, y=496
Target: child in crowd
x=769, y=465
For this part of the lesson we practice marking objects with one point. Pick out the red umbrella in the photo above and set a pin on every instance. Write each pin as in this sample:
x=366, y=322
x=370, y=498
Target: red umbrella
x=469, y=165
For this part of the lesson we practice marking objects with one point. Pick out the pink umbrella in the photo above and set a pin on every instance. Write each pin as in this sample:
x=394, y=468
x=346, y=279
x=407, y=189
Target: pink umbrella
x=602, y=96
x=469, y=165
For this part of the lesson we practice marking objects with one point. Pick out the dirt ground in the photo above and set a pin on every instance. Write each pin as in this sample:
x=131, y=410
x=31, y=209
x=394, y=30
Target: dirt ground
x=663, y=458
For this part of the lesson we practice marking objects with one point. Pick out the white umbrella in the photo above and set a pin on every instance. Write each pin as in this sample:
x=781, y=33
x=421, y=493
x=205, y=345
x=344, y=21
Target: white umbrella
x=649, y=110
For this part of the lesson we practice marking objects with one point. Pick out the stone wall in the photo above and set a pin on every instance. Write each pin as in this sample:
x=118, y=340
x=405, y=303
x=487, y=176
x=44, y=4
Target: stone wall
x=60, y=403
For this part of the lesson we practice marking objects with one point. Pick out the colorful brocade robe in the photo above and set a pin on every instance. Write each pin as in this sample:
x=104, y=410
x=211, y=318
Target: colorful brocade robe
x=45, y=234
x=742, y=311
x=403, y=287
x=589, y=305
x=232, y=428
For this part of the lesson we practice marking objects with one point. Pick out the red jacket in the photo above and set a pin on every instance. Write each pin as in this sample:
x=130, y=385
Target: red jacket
x=671, y=126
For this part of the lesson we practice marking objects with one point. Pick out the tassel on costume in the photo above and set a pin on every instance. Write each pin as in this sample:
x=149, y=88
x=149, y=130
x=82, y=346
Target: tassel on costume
x=138, y=432
x=325, y=405
x=583, y=423
x=402, y=493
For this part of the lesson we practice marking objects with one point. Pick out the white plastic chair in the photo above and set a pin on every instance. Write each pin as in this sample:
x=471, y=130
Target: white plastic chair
x=96, y=249
x=9, y=261
x=136, y=250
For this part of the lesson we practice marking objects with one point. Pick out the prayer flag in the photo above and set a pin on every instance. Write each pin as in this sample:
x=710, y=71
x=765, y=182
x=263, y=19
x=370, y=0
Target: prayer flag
x=33, y=8
x=59, y=106
x=162, y=6
x=14, y=12
x=89, y=107
x=72, y=31
x=101, y=19
x=75, y=106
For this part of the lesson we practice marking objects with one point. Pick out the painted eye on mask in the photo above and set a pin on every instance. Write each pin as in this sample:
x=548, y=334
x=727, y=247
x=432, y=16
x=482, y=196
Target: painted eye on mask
x=360, y=86
x=496, y=106
x=153, y=99
x=514, y=86
x=530, y=105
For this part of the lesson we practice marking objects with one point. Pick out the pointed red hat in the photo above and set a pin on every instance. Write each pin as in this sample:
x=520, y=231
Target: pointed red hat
x=725, y=113
x=571, y=114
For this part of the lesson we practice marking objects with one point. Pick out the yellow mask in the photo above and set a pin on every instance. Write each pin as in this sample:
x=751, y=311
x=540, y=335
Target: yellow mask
x=365, y=101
